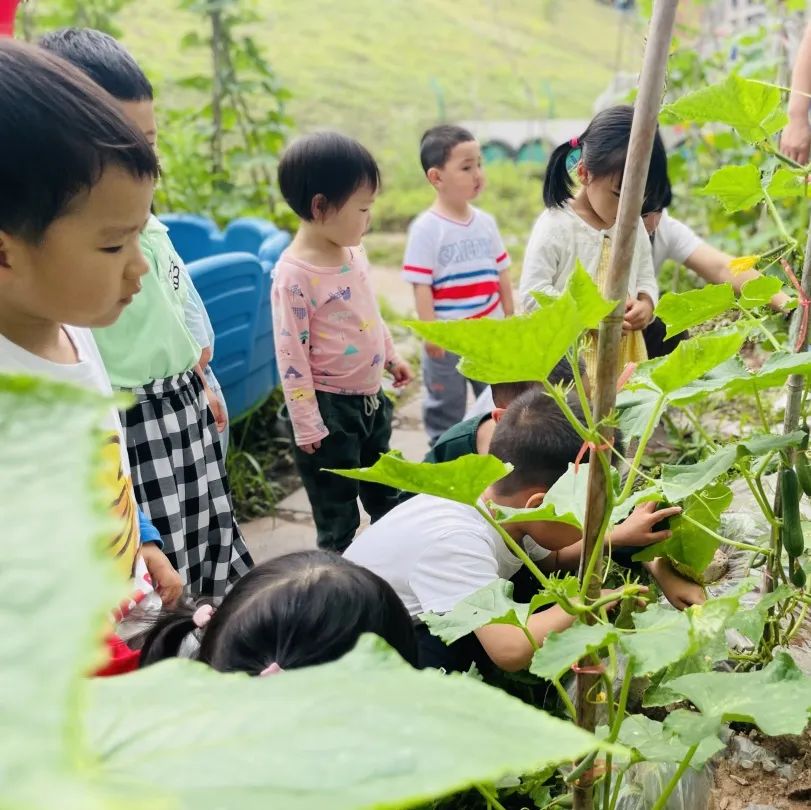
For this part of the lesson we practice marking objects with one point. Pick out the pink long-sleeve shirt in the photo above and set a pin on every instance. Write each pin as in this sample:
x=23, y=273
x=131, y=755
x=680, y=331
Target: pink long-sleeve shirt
x=329, y=336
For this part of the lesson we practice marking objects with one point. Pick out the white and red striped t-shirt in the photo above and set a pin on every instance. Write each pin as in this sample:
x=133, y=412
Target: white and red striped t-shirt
x=460, y=260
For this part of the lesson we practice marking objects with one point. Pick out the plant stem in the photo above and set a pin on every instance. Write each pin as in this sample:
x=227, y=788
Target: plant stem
x=757, y=495
x=565, y=699
x=725, y=540
x=695, y=422
x=574, y=359
x=759, y=403
x=778, y=220
x=640, y=450
x=491, y=798
x=582, y=431
x=661, y=802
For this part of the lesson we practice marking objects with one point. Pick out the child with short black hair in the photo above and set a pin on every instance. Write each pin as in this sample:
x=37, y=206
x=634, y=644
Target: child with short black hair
x=171, y=432
x=298, y=610
x=76, y=184
x=331, y=342
x=457, y=263
x=579, y=224
x=473, y=435
x=436, y=552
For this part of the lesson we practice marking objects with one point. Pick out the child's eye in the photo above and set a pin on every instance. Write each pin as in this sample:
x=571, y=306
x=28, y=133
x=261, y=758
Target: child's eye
x=116, y=249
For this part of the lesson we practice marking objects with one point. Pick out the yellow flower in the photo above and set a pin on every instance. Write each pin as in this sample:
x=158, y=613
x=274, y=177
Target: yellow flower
x=742, y=264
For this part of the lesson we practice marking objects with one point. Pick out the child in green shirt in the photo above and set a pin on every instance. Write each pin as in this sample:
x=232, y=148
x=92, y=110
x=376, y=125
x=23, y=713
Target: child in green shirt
x=171, y=432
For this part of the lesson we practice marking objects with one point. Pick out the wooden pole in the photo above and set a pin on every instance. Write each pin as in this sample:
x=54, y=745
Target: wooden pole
x=651, y=85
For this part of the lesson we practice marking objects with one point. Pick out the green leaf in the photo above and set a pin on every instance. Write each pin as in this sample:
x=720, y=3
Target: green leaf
x=690, y=546
x=753, y=109
x=680, y=481
x=547, y=511
x=375, y=732
x=529, y=346
x=694, y=357
x=682, y=311
x=657, y=743
x=561, y=650
x=753, y=621
x=776, y=699
x=759, y=291
x=463, y=479
x=736, y=187
x=663, y=637
x=691, y=727
x=785, y=183
x=568, y=494
x=636, y=408
x=492, y=604
x=55, y=590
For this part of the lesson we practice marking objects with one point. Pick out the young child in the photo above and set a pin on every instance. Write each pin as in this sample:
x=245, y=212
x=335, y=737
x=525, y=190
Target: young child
x=436, y=552
x=456, y=261
x=297, y=610
x=473, y=435
x=171, y=434
x=331, y=343
x=76, y=184
x=580, y=226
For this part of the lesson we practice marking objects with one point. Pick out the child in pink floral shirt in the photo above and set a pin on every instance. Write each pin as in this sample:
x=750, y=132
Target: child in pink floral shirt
x=331, y=343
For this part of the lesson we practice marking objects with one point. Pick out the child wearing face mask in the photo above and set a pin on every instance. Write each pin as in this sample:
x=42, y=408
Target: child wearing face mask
x=579, y=225
x=332, y=345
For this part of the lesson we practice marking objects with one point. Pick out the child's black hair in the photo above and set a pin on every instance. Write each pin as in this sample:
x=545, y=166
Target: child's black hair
x=537, y=439
x=659, y=200
x=102, y=58
x=58, y=132
x=304, y=608
x=604, y=147
x=325, y=164
x=506, y=393
x=437, y=144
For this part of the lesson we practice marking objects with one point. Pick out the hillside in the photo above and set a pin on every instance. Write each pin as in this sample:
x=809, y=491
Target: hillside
x=377, y=68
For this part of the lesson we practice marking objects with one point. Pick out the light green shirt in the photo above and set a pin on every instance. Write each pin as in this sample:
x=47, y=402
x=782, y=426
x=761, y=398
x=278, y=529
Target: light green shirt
x=150, y=340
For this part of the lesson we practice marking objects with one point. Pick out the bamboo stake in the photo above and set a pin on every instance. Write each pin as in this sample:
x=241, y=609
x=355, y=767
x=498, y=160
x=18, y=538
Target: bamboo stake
x=651, y=86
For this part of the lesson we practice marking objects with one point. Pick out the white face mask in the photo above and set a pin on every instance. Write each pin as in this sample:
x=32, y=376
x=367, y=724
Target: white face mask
x=532, y=548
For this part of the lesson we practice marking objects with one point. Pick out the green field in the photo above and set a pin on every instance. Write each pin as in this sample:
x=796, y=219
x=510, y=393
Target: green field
x=376, y=68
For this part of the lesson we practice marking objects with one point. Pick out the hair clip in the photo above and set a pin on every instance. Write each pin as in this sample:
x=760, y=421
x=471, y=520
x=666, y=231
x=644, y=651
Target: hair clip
x=202, y=616
x=271, y=669
x=574, y=143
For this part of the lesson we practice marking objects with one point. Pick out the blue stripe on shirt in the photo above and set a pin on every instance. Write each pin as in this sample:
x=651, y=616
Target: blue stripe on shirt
x=487, y=273
x=477, y=305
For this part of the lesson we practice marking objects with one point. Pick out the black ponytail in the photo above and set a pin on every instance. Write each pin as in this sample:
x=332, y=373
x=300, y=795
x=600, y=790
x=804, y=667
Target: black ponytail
x=558, y=185
x=165, y=637
x=604, y=149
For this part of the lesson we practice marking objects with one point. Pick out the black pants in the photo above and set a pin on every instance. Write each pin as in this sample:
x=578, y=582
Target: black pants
x=359, y=433
x=655, y=343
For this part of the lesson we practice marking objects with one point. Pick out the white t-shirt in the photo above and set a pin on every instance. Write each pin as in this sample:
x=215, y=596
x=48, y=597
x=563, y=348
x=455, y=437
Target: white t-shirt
x=673, y=240
x=89, y=373
x=560, y=237
x=435, y=553
x=460, y=260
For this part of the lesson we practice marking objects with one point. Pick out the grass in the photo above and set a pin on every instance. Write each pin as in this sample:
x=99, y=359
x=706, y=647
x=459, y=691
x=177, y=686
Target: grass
x=377, y=68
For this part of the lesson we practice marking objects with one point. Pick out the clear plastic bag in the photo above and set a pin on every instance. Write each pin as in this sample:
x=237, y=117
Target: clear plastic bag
x=645, y=782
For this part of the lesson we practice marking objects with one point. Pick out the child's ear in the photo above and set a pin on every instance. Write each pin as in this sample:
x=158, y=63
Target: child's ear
x=5, y=261
x=318, y=207
x=498, y=413
x=433, y=176
x=535, y=500
x=582, y=173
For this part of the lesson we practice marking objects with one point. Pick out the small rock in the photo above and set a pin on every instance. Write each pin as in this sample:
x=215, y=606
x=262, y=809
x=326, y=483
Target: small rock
x=739, y=779
x=768, y=765
x=760, y=807
x=746, y=764
x=724, y=803
x=786, y=772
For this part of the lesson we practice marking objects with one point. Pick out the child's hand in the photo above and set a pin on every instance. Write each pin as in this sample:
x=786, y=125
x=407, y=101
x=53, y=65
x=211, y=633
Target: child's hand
x=205, y=357
x=638, y=313
x=165, y=580
x=680, y=592
x=637, y=529
x=433, y=351
x=401, y=372
x=309, y=449
x=217, y=411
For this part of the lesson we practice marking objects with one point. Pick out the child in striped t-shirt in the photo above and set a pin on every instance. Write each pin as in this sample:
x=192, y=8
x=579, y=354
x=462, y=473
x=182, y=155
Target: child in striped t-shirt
x=456, y=260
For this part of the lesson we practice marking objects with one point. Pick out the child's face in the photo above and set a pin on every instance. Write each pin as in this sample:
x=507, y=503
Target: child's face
x=141, y=114
x=603, y=194
x=461, y=179
x=345, y=226
x=88, y=264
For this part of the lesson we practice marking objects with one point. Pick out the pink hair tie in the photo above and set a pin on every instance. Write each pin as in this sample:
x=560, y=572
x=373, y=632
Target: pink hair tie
x=202, y=616
x=574, y=143
x=271, y=669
